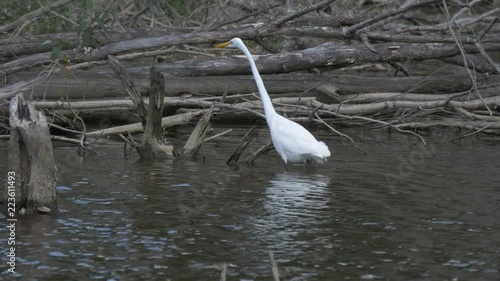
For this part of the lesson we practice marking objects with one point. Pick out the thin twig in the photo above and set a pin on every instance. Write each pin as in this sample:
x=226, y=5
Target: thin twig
x=462, y=51
x=223, y=273
x=68, y=140
x=464, y=9
x=300, y=13
x=263, y=149
x=488, y=28
x=130, y=56
x=126, y=140
x=64, y=129
x=95, y=139
x=218, y=135
x=350, y=30
x=314, y=112
x=377, y=121
x=487, y=58
x=32, y=15
x=131, y=138
x=243, y=17
x=474, y=116
x=367, y=43
x=475, y=132
x=339, y=133
x=84, y=133
x=64, y=18
x=399, y=67
x=274, y=267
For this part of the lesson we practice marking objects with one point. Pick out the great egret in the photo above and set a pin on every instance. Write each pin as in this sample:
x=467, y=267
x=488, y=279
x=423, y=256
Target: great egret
x=292, y=141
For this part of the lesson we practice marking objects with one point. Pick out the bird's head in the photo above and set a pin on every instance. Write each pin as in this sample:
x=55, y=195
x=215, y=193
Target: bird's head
x=233, y=43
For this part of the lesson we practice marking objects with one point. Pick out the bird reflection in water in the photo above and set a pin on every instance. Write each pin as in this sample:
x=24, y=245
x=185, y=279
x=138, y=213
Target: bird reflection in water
x=295, y=204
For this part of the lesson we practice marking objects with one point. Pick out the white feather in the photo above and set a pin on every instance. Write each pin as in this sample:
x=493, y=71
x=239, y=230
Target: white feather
x=292, y=141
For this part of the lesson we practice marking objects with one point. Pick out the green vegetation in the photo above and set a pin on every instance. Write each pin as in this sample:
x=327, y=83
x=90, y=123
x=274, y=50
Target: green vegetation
x=48, y=23
x=83, y=16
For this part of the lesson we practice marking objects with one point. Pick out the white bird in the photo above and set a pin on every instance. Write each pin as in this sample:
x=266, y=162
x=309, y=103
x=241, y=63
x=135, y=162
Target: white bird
x=292, y=141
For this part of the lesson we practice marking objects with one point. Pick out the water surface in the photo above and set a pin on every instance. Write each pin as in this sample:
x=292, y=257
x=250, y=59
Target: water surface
x=400, y=212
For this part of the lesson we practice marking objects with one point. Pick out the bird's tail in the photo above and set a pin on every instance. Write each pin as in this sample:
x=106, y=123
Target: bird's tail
x=321, y=155
x=324, y=149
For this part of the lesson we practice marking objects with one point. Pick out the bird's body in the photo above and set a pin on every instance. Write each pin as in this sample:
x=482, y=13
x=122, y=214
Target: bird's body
x=291, y=140
x=294, y=143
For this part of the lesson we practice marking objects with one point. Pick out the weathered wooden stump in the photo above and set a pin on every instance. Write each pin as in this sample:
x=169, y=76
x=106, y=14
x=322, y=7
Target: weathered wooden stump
x=31, y=158
x=129, y=85
x=151, y=145
x=262, y=150
x=196, y=138
x=249, y=136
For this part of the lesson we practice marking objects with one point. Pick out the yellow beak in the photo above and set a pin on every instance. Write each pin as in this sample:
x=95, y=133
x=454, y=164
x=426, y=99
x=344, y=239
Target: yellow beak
x=223, y=45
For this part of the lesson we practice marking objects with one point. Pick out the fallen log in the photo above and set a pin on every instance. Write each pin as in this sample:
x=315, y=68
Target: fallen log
x=374, y=103
x=124, y=104
x=345, y=27
x=364, y=109
x=85, y=85
x=326, y=55
x=32, y=44
x=169, y=121
x=469, y=124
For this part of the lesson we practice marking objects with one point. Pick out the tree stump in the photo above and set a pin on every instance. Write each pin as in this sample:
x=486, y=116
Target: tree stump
x=152, y=145
x=31, y=158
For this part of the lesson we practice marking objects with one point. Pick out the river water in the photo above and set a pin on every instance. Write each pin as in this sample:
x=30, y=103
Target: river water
x=400, y=212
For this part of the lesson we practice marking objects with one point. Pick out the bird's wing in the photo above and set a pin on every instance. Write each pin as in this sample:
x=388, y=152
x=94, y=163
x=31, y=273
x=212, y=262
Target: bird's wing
x=293, y=136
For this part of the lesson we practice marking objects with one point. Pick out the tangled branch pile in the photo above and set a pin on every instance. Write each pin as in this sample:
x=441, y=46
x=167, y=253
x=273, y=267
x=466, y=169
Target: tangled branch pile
x=400, y=64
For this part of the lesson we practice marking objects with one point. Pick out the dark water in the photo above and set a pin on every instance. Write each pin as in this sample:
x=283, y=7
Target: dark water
x=401, y=212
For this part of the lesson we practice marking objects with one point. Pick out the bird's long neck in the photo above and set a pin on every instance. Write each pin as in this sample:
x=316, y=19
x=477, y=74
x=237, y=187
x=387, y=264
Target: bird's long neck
x=266, y=101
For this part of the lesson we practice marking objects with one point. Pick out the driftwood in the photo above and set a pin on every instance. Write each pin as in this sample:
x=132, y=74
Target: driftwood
x=135, y=128
x=262, y=150
x=218, y=135
x=134, y=94
x=444, y=46
x=82, y=85
x=44, y=43
x=31, y=157
x=326, y=55
x=245, y=141
x=355, y=104
x=195, y=141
